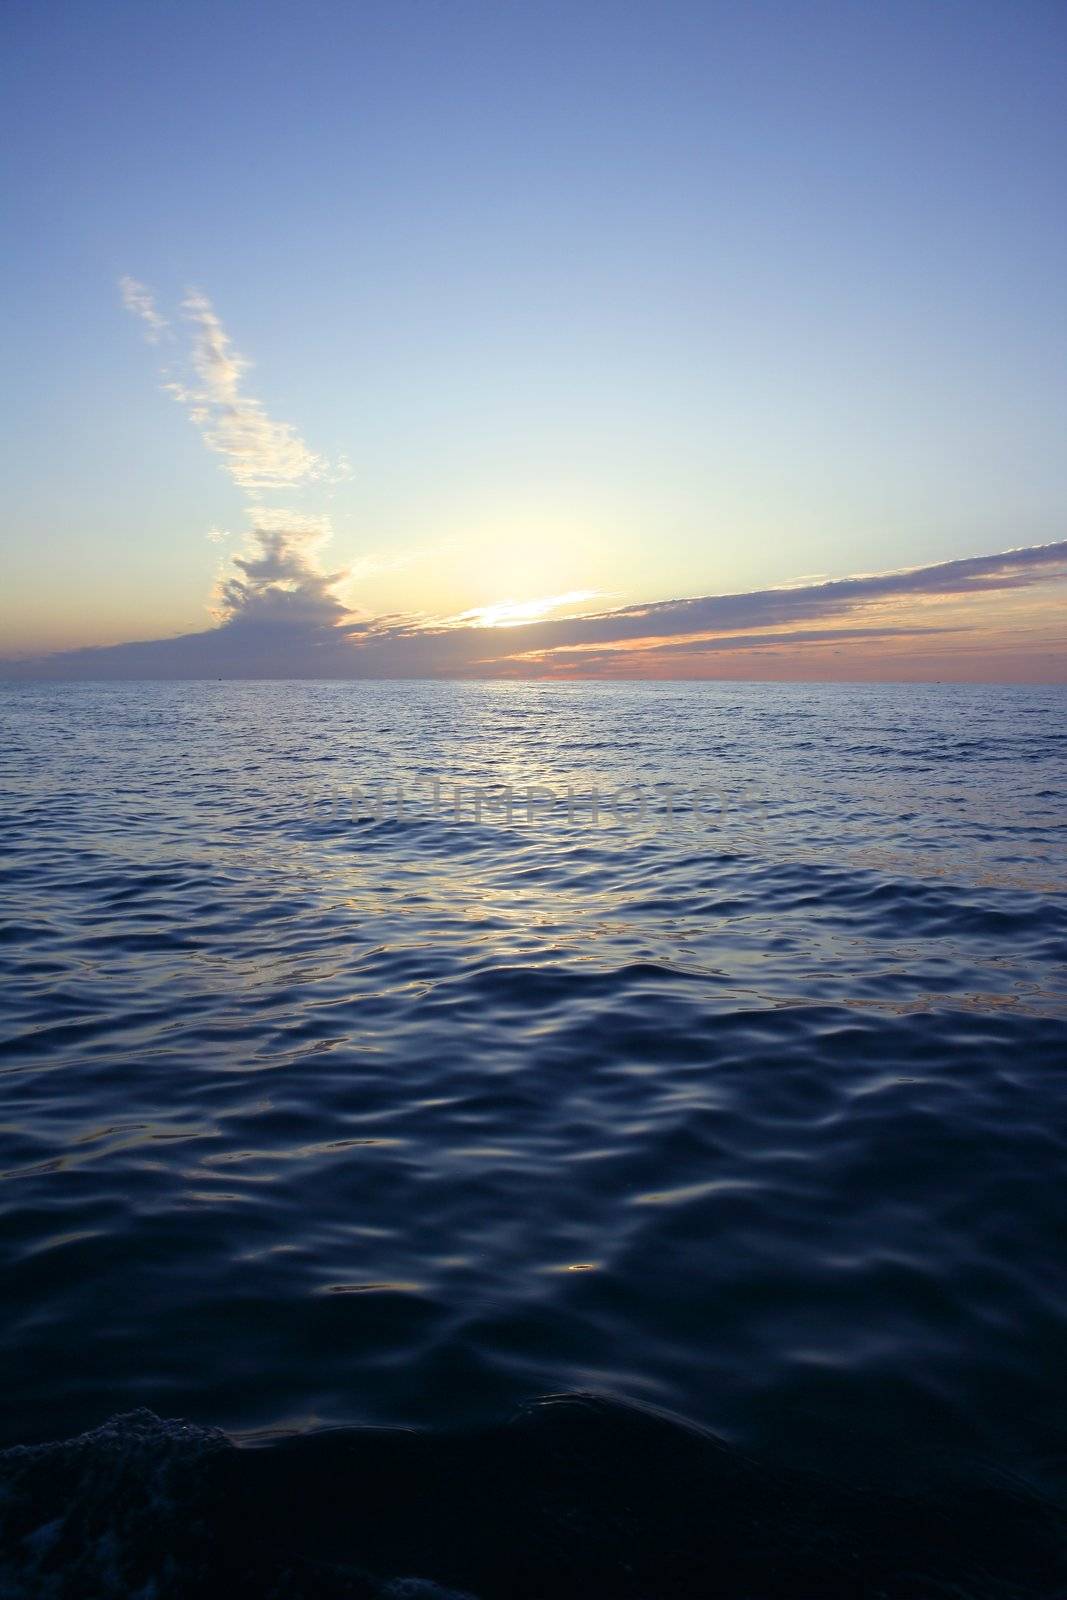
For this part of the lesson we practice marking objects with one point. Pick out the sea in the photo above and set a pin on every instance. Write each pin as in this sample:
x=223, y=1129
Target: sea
x=533, y=1139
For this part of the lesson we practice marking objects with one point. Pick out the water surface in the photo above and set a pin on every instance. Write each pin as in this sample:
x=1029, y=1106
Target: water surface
x=753, y=1112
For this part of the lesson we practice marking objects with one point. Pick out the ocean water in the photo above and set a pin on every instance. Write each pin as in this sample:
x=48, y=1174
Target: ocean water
x=733, y=1116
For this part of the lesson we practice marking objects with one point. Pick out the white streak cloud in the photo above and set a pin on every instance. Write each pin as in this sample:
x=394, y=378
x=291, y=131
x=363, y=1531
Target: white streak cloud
x=257, y=452
x=137, y=300
x=275, y=580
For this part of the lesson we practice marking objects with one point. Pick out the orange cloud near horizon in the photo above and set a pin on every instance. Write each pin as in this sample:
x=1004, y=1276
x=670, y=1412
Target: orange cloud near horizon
x=997, y=617
x=997, y=636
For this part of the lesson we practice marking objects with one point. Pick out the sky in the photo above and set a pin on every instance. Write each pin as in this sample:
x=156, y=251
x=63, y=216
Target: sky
x=534, y=339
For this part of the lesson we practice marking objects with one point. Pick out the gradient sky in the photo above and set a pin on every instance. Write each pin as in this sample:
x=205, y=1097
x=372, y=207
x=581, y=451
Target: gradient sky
x=625, y=302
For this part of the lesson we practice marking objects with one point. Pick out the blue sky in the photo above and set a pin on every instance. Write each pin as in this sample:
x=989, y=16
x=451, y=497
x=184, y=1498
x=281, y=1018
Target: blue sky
x=650, y=301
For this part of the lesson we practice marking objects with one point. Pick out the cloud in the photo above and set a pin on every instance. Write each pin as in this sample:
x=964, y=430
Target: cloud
x=276, y=579
x=257, y=452
x=657, y=651
x=708, y=617
x=278, y=612
x=1009, y=569
x=137, y=299
x=282, y=618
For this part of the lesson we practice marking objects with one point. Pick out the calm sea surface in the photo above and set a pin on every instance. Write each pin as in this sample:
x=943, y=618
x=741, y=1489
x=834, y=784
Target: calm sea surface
x=746, y=1101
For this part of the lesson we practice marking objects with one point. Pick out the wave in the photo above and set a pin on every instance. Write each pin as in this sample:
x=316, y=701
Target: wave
x=574, y=1496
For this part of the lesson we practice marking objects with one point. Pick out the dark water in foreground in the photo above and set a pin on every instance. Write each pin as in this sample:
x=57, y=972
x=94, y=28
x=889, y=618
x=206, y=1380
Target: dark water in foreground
x=753, y=1113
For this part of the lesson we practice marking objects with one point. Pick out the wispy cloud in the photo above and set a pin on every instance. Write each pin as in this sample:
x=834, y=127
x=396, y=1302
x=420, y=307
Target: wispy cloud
x=258, y=452
x=137, y=299
x=658, y=658
x=276, y=578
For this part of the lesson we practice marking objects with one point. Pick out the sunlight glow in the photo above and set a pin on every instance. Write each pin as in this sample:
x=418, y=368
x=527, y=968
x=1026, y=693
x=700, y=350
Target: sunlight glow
x=509, y=613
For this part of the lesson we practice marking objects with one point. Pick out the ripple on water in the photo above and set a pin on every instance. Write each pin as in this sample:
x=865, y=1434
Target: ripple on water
x=405, y=1121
